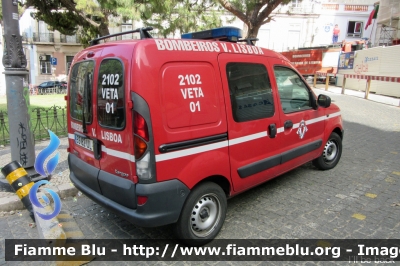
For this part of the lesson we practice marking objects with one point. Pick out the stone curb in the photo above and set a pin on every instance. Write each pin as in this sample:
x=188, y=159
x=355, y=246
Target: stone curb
x=48, y=229
x=13, y=202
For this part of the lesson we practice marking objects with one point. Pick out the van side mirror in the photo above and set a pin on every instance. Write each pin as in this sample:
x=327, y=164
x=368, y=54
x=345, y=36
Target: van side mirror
x=324, y=101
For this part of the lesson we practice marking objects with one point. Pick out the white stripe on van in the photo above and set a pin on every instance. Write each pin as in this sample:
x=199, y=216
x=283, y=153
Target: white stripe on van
x=209, y=147
x=118, y=154
x=247, y=138
x=111, y=152
x=191, y=151
x=311, y=121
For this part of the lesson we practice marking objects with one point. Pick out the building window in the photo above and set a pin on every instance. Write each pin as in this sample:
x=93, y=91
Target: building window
x=296, y=3
x=45, y=66
x=69, y=62
x=354, y=29
x=126, y=27
x=44, y=34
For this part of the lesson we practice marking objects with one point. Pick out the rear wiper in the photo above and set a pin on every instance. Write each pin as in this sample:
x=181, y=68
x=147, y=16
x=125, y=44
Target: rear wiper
x=85, y=98
x=83, y=113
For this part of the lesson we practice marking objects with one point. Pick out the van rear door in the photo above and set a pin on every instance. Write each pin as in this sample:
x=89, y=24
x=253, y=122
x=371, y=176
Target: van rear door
x=82, y=127
x=114, y=129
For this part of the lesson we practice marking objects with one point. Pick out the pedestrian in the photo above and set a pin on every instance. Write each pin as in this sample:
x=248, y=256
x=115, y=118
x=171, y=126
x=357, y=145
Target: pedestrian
x=336, y=32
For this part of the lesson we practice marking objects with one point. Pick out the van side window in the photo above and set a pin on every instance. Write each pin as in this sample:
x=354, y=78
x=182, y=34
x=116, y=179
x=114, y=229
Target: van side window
x=293, y=93
x=80, y=99
x=110, y=94
x=250, y=91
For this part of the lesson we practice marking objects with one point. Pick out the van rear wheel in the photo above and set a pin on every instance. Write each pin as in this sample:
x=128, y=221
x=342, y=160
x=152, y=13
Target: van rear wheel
x=202, y=215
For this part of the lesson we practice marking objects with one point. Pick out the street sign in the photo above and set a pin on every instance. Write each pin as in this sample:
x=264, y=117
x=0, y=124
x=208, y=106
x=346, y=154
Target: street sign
x=53, y=61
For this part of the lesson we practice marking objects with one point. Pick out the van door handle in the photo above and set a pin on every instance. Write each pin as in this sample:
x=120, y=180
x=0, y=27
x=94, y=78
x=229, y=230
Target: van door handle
x=272, y=130
x=288, y=124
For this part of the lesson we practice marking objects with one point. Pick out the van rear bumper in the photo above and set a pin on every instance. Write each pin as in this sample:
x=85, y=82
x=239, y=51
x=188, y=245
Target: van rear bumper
x=164, y=204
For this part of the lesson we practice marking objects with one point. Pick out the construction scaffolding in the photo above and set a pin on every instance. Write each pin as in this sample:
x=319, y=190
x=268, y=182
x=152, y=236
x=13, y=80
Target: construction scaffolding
x=388, y=23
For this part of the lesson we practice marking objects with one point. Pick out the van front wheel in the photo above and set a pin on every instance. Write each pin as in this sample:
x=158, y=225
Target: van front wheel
x=331, y=153
x=202, y=215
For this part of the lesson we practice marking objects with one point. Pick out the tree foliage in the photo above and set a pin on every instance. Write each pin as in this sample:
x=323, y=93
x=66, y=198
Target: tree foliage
x=92, y=18
x=68, y=16
x=254, y=13
x=171, y=16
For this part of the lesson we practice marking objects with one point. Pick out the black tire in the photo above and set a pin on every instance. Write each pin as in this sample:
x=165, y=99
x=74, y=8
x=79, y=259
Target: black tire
x=331, y=154
x=207, y=200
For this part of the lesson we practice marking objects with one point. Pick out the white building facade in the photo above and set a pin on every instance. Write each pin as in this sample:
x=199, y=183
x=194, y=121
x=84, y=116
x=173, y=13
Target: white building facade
x=310, y=23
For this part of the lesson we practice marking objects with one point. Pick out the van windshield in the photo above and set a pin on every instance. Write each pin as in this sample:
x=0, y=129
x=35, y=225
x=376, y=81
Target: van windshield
x=80, y=97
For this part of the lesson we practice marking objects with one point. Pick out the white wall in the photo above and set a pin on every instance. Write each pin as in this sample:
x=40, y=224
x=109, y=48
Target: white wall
x=28, y=25
x=300, y=30
x=378, y=61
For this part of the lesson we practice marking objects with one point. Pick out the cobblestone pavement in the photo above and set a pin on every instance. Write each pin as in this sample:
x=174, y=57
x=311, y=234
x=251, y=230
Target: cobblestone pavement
x=359, y=199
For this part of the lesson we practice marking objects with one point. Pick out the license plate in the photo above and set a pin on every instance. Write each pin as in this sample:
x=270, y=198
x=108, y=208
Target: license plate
x=84, y=142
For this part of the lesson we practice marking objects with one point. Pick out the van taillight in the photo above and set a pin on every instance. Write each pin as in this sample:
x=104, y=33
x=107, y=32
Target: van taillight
x=140, y=147
x=140, y=127
x=143, y=143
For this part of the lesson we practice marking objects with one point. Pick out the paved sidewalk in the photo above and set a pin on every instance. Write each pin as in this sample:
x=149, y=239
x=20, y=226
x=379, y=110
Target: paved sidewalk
x=360, y=94
x=59, y=182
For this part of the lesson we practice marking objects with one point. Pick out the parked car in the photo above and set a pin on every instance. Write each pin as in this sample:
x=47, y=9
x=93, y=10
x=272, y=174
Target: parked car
x=63, y=87
x=51, y=87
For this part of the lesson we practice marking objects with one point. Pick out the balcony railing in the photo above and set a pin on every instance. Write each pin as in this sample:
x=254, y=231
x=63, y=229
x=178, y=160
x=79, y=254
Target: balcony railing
x=358, y=8
x=24, y=37
x=69, y=38
x=43, y=37
x=330, y=7
x=302, y=9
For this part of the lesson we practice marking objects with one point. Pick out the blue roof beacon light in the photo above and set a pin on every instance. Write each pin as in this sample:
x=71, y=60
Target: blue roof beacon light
x=231, y=34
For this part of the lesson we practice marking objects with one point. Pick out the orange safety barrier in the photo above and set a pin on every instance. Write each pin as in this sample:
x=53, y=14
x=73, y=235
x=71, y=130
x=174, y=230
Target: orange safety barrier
x=355, y=76
x=323, y=74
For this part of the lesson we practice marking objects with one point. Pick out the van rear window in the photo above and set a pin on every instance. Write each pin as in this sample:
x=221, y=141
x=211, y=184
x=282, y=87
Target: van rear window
x=110, y=94
x=80, y=99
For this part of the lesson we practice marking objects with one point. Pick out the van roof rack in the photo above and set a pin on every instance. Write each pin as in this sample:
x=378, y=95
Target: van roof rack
x=249, y=41
x=143, y=35
x=231, y=34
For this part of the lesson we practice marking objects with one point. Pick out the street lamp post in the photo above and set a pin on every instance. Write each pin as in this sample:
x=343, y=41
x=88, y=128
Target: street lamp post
x=17, y=89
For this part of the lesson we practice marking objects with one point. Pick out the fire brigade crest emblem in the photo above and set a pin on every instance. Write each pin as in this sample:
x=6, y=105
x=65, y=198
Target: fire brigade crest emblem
x=302, y=129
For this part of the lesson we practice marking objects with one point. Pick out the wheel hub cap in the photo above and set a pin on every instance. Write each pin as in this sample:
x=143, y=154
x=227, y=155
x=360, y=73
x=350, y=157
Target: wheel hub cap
x=205, y=216
x=330, y=151
x=204, y=213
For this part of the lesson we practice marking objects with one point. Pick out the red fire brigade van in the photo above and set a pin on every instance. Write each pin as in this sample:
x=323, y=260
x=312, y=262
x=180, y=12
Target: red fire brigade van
x=163, y=131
